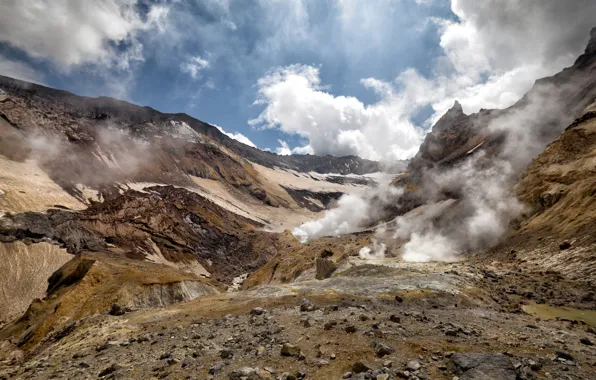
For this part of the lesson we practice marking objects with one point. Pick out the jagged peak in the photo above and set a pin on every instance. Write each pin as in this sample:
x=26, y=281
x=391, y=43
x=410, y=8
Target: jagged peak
x=457, y=108
x=450, y=117
x=590, y=52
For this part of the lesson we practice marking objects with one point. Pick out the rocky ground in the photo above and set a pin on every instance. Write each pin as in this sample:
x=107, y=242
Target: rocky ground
x=374, y=320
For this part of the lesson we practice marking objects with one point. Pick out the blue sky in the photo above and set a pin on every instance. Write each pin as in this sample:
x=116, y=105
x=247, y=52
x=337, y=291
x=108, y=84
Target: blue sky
x=329, y=76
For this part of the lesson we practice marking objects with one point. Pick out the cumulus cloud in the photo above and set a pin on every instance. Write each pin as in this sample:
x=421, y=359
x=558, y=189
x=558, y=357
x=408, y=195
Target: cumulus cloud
x=73, y=32
x=194, y=66
x=237, y=136
x=492, y=54
x=284, y=149
x=297, y=103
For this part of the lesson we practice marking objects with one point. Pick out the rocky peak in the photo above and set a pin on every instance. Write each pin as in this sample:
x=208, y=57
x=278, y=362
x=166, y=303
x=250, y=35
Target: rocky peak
x=590, y=52
x=450, y=118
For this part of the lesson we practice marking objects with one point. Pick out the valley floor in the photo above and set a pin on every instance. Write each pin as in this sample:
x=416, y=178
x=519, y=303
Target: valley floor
x=378, y=319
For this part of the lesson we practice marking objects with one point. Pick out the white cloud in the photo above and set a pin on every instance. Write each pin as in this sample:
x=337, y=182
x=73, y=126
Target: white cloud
x=70, y=32
x=237, y=136
x=285, y=150
x=297, y=103
x=194, y=66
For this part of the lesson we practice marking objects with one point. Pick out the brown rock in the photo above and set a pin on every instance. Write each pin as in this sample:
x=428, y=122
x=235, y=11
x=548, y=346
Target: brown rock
x=325, y=268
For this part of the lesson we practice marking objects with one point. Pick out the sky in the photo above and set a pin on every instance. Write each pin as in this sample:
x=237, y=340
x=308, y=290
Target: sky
x=339, y=77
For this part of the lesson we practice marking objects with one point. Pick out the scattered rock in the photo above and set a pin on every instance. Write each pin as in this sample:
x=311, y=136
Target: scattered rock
x=382, y=349
x=226, y=353
x=307, y=306
x=243, y=373
x=109, y=370
x=413, y=365
x=360, y=367
x=116, y=310
x=329, y=325
x=216, y=368
x=290, y=350
x=564, y=245
x=586, y=341
x=564, y=355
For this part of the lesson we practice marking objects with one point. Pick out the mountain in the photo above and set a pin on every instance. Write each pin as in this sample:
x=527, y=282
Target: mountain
x=137, y=244
x=70, y=154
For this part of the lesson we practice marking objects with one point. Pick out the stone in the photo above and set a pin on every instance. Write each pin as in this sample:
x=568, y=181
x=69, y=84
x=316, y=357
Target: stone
x=395, y=319
x=382, y=376
x=257, y=311
x=324, y=268
x=307, y=306
x=350, y=329
x=290, y=350
x=329, y=325
x=187, y=362
x=165, y=355
x=476, y=366
x=172, y=361
x=117, y=310
x=216, y=368
x=109, y=370
x=243, y=373
x=226, y=353
x=360, y=367
x=347, y=375
x=564, y=245
x=564, y=355
x=413, y=365
x=382, y=349
x=586, y=341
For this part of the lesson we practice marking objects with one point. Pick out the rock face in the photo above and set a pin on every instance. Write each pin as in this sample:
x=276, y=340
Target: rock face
x=558, y=188
x=544, y=112
x=93, y=282
x=171, y=225
x=484, y=367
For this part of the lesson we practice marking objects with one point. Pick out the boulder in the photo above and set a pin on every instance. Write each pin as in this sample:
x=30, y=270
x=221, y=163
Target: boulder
x=475, y=366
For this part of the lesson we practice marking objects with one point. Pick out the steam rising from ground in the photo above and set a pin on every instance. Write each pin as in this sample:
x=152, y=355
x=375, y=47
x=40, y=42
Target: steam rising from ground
x=111, y=156
x=352, y=212
x=466, y=207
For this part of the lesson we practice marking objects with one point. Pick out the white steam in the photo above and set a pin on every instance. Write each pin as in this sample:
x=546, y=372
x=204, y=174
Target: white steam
x=469, y=205
x=351, y=214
